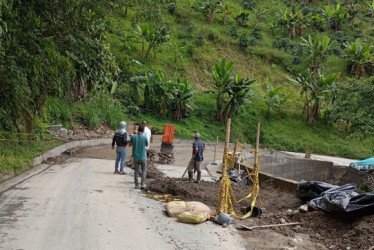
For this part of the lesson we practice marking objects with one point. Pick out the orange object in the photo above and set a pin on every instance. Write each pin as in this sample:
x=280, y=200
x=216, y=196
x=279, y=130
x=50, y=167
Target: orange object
x=168, y=134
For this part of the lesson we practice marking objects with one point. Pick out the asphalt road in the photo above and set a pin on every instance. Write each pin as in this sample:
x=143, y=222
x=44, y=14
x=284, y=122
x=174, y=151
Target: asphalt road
x=81, y=204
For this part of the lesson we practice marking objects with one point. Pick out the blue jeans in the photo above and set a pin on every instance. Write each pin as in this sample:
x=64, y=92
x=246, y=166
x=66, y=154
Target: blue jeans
x=121, y=156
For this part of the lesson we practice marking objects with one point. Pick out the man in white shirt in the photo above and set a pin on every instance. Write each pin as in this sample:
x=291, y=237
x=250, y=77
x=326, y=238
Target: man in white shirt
x=147, y=133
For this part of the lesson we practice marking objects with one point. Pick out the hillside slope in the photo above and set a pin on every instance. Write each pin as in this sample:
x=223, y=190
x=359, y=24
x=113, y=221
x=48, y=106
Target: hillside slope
x=264, y=46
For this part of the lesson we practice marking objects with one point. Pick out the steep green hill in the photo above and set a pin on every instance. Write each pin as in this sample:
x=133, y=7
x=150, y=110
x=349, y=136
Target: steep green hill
x=268, y=47
x=306, y=70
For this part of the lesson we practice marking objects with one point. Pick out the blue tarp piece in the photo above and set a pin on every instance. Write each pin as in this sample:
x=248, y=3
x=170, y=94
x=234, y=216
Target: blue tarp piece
x=364, y=165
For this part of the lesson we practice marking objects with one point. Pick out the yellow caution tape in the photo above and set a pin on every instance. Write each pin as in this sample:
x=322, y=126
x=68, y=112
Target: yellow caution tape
x=161, y=198
x=226, y=195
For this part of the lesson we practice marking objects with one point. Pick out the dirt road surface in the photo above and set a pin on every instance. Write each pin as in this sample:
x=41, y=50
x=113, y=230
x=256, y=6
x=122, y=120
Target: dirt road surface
x=81, y=204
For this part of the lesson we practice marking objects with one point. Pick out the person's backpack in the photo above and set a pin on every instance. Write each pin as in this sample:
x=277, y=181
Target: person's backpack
x=121, y=139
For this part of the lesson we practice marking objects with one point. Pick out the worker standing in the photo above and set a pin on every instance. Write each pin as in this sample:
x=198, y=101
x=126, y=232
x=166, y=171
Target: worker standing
x=147, y=133
x=120, y=138
x=198, y=147
x=139, y=142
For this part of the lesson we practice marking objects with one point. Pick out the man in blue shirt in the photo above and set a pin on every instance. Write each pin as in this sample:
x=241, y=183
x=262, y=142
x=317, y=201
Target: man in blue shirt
x=198, y=147
x=139, y=154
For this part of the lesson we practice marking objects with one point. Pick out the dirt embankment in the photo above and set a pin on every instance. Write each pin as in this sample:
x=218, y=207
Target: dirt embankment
x=331, y=231
x=319, y=230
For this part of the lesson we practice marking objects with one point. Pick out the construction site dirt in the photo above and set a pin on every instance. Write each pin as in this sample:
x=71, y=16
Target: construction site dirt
x=318, y=229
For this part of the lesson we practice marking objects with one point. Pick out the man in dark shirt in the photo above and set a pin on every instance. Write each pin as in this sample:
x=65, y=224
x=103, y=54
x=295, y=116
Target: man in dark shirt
x=120, y=138
x=198, y=147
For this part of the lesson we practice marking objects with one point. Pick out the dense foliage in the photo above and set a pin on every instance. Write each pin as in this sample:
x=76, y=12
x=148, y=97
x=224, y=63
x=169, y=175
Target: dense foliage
x=302, y=68
x=50, y=49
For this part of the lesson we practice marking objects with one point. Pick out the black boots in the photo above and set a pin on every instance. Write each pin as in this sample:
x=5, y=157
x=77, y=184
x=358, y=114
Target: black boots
x=190, y=176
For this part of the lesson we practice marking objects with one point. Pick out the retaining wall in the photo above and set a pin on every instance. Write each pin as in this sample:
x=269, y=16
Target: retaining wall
x=296, y=169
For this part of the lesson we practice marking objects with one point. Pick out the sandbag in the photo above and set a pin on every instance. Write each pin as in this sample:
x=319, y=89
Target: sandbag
x=198, y=207
x=192, y=217
x=174, y=208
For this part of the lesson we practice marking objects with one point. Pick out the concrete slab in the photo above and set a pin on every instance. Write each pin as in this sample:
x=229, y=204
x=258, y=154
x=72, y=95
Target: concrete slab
x=337, y=161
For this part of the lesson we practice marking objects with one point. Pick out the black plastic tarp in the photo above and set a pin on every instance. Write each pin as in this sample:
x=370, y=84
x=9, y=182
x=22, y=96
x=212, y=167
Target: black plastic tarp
x=334, y=198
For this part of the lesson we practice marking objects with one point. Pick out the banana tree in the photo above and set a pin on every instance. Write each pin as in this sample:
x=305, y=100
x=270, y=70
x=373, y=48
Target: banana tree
x=335, y=16
x=151, y=36
x=322, y=91
x=318, y=89
x=232, y=91
x=182, y=96
x=359, y=55
x=303, y=81
x=293, y=22
x=210, y=8
x=353, y=10
x=221, y=73
x=142, y=33
x=157, y=94
x=226, y=9
x=158, y=35
x=274, y=100
x=177, y=50
x=240, y=92
x=317, y=49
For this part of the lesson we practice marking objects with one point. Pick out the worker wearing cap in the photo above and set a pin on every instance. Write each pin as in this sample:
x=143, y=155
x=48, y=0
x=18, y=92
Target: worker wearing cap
x=198, y=147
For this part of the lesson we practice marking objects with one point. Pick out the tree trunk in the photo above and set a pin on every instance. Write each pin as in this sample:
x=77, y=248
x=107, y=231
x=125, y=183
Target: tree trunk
x=150, y=46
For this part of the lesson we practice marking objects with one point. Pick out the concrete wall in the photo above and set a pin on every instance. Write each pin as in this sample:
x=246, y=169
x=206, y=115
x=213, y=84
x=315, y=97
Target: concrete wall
x=296, y=169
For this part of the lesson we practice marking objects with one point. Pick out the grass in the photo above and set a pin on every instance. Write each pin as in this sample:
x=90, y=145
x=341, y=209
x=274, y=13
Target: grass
x=17, y=156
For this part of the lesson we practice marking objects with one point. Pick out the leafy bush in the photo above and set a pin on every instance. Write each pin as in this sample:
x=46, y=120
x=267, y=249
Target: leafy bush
x=256, y=33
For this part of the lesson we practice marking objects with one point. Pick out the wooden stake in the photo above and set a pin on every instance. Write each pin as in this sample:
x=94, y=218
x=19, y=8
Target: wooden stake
x=257, y=144
x=215, y=152
x=227, y=141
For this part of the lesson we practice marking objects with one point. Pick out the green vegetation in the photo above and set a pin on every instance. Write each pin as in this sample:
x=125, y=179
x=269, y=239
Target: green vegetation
x=302, y=68
x=17, y=155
